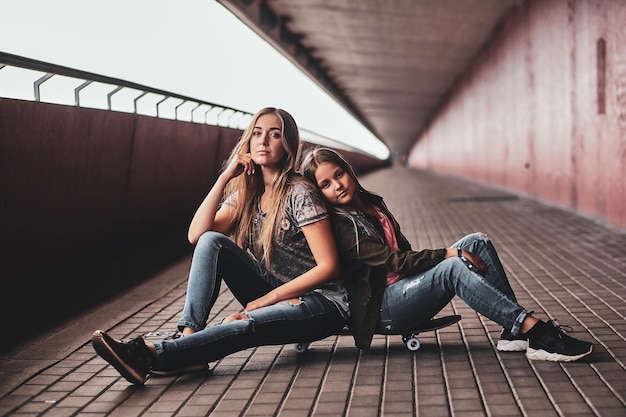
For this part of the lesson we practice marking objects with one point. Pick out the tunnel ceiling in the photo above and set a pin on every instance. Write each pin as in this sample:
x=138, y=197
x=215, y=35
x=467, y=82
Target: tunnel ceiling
x=389, y=62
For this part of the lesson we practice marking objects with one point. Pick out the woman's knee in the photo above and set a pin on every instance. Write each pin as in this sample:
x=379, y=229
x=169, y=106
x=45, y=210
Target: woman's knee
x=210, y=239
x=459, y=270
x=470, y=241
x=476, y=241
x=448, y=269
x=210, y=236
x=457, y=265
x=478, y=237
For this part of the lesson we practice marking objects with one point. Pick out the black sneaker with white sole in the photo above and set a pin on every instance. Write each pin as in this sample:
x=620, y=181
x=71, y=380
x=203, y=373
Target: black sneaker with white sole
x=510, y=343
x=548, y=342
x=132, y=359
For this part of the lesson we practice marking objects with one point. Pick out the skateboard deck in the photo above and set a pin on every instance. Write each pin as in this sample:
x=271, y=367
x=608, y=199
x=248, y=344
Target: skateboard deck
x=409, y=338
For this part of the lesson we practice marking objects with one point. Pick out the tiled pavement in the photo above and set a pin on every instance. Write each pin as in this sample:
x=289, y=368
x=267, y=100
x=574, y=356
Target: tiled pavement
x=561, y=266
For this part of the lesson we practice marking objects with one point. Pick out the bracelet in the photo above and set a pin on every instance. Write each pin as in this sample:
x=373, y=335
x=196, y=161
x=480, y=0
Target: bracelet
x=467, y=263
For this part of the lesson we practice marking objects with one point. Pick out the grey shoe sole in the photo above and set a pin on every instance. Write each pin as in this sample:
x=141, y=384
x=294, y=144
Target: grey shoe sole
x=542, y=355
x=512, y=345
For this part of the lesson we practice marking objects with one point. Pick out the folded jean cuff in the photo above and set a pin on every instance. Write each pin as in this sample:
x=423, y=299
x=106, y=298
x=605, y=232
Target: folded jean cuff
x=182, y=324
x=158, y=347
x=517, y=325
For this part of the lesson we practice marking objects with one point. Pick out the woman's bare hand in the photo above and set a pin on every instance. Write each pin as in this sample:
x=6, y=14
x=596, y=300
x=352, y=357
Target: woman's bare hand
x=235, y=316
x=239, y=165
x=267, y=300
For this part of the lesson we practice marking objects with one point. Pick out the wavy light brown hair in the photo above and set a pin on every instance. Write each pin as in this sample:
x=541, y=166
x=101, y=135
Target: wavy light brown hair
x=320, y=155
x=315, y=156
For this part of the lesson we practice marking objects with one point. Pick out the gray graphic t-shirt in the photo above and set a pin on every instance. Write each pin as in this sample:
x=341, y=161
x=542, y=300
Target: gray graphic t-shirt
x=291, y=255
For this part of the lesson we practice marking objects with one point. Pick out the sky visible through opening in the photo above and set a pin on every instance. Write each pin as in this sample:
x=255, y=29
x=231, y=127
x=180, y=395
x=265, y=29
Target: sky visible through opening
x=195, y=48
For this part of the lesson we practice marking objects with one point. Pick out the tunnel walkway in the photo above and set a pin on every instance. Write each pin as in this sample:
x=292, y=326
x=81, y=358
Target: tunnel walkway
x=561, y=265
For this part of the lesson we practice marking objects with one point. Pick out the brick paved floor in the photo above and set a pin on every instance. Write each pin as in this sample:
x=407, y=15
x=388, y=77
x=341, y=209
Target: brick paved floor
x=561, y=265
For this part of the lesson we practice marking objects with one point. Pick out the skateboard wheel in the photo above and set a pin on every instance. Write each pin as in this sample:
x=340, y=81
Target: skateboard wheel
x=301, y=347
x=412, y=343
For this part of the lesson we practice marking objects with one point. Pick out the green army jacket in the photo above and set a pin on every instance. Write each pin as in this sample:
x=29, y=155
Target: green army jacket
x=365, y=260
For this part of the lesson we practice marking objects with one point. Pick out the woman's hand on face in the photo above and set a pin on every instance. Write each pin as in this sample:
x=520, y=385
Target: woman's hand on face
x=239, y=165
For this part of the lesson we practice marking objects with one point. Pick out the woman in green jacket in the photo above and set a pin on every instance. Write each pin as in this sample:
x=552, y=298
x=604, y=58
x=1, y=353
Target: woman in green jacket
x=393, y=289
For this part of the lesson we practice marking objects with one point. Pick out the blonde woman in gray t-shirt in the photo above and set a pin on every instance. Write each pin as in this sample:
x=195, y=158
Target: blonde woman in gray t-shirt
x=265, y=231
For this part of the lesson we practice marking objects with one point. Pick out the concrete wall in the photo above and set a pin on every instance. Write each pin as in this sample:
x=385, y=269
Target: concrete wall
x=542, y=112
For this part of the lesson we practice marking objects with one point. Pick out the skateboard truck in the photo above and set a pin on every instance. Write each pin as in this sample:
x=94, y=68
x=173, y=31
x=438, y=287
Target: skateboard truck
x=410, y=339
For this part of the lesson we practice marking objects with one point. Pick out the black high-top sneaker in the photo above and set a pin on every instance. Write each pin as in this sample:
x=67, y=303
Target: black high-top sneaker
x=548, y=342
x=132, y=359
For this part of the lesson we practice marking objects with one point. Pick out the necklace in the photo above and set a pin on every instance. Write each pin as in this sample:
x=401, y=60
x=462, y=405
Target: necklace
x=258, y=216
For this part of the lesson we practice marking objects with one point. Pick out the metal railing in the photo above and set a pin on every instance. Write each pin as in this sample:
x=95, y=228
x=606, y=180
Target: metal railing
x=201, y=111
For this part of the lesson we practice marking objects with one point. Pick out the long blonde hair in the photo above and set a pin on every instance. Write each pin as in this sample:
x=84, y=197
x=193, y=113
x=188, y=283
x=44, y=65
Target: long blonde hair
x=249, y=188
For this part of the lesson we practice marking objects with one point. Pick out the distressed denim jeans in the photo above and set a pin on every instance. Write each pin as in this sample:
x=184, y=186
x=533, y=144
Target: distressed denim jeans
x=312, y=318
x=416, y=299
x=218, y=258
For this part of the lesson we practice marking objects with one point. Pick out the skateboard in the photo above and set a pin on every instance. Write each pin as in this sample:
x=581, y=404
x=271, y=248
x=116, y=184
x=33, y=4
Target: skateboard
x=409, y=338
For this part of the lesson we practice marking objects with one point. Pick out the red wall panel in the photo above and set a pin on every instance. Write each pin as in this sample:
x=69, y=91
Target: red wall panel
x=527, y=116
x=172, y=162
x=63, y=174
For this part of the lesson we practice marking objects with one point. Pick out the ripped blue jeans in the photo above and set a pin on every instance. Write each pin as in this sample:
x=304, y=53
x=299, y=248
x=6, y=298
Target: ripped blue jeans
x=416, y=299
x=218, y=258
